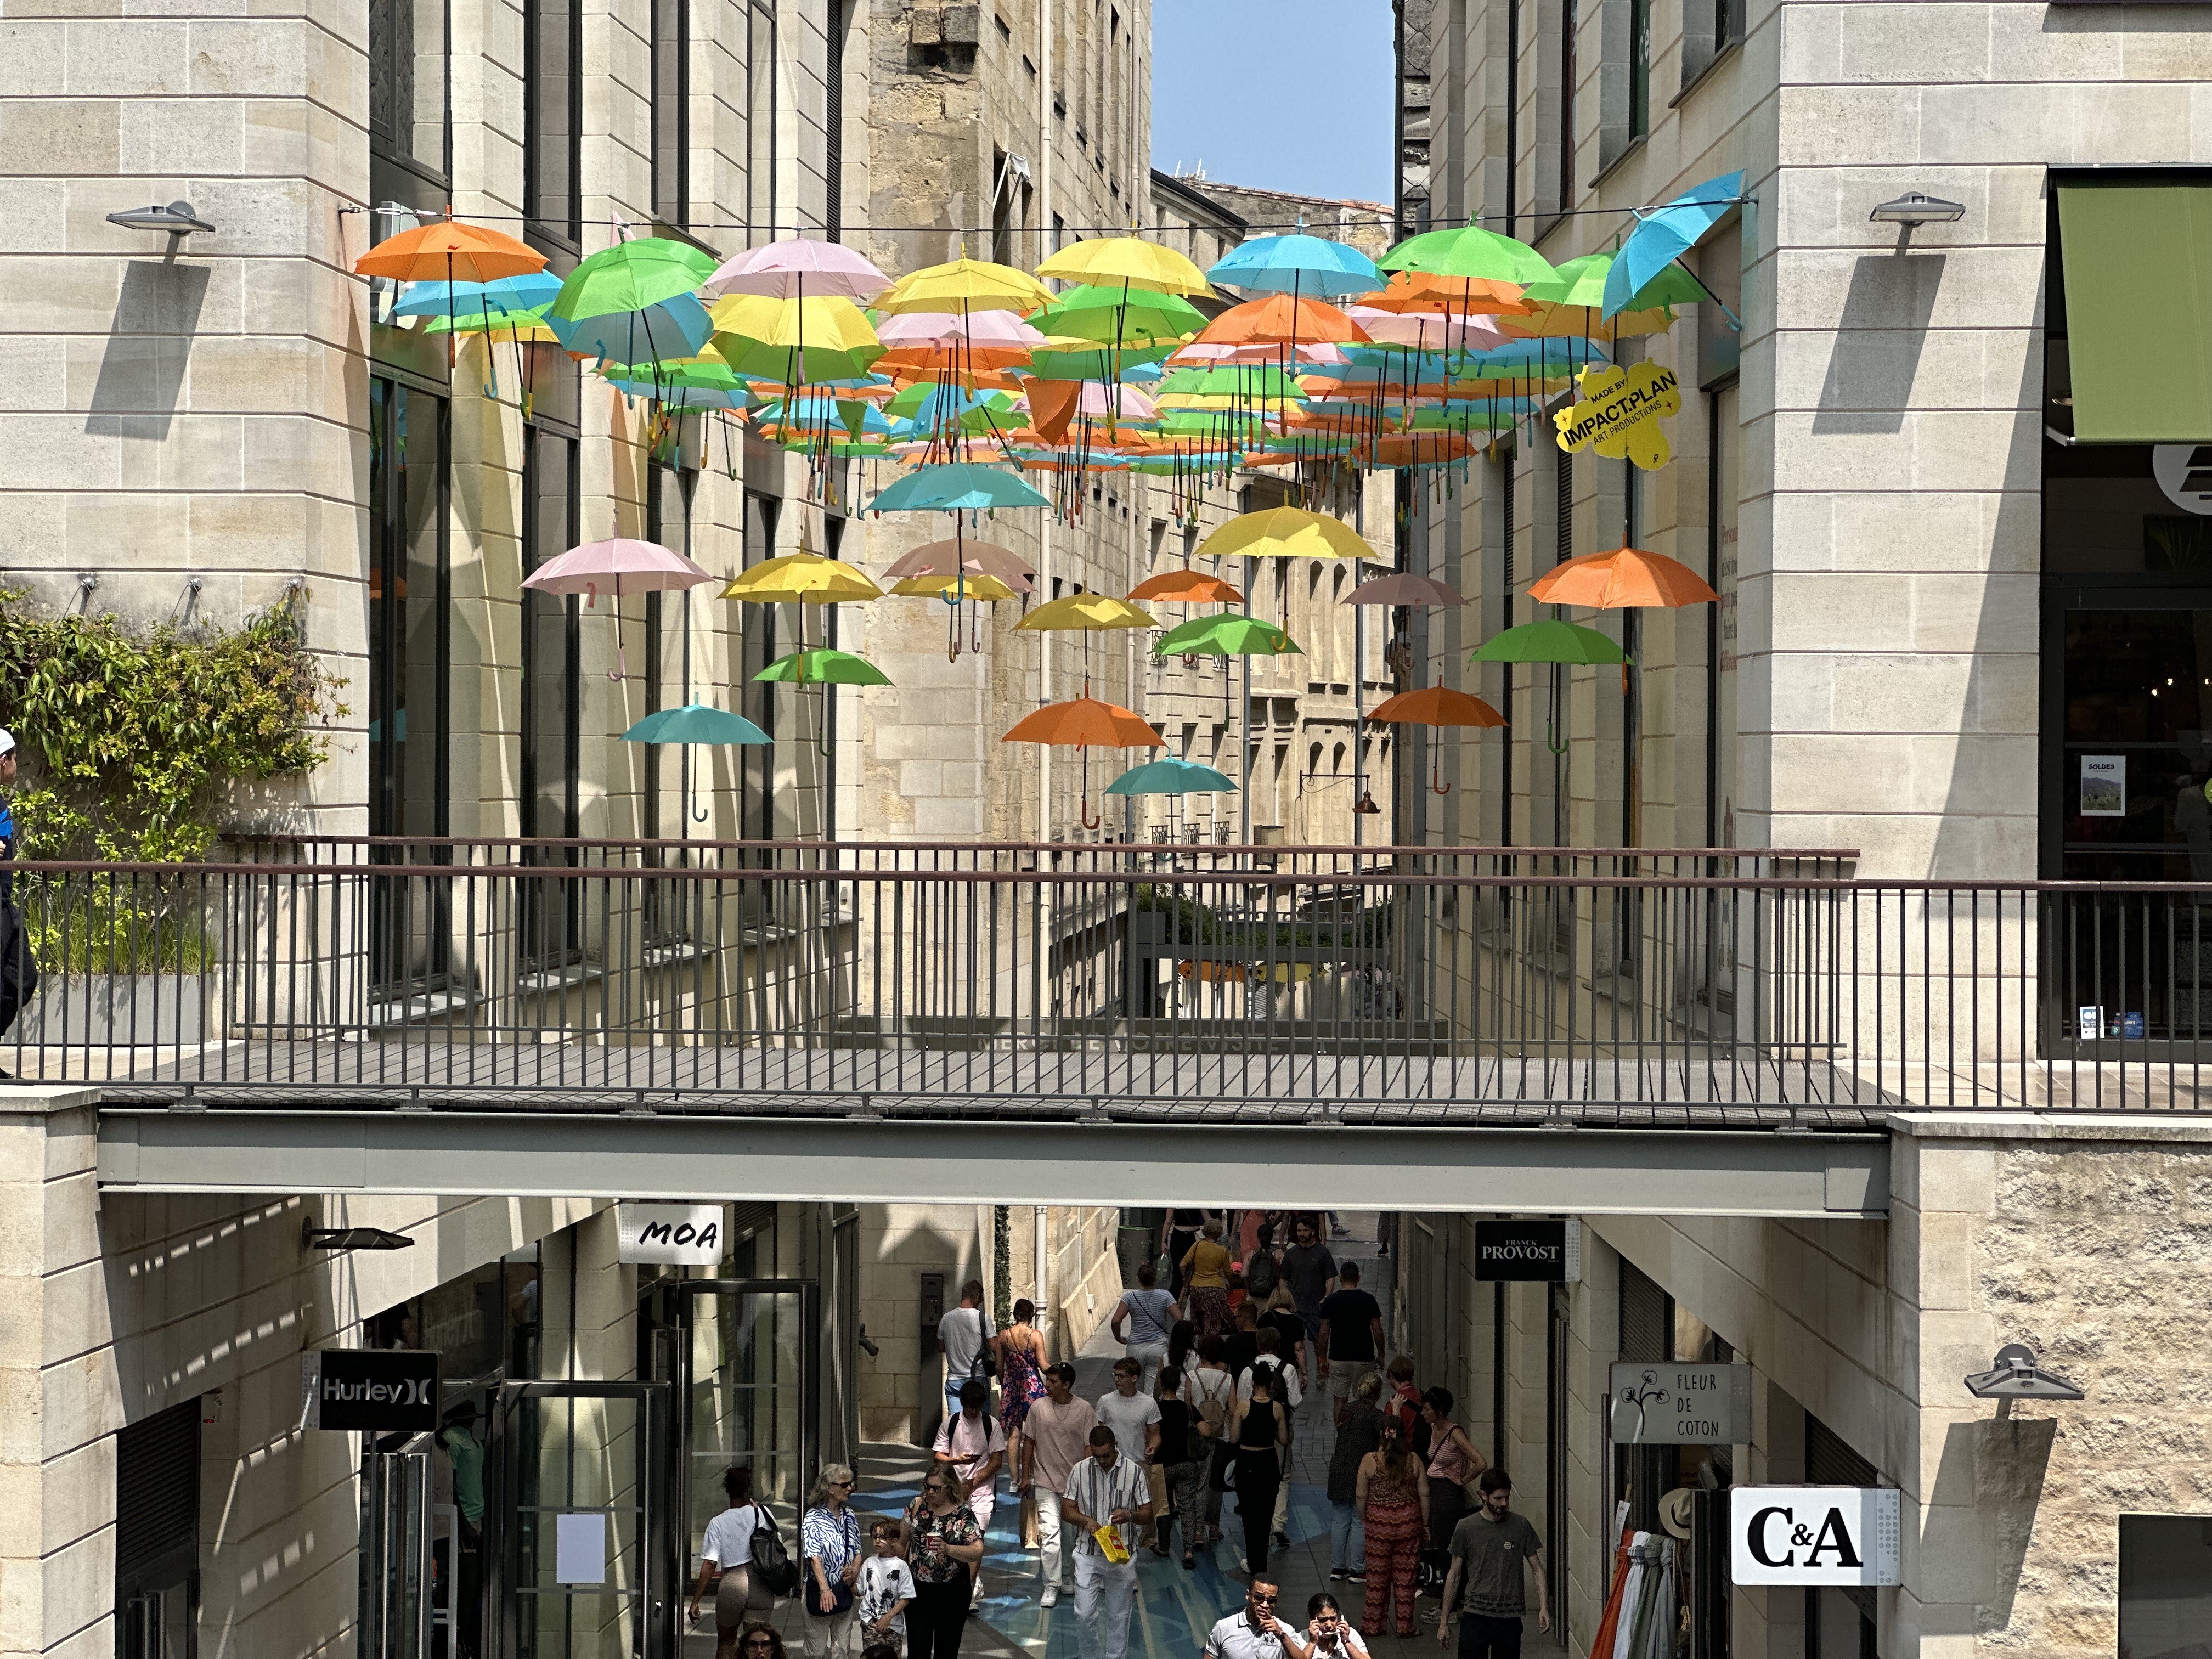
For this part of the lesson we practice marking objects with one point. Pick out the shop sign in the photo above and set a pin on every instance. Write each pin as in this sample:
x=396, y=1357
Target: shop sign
x=669, y=1235
x=1816, y=1535
x=1548, y=1251
x=1673, y=1404
x=371, y=1390
x=1619, y=413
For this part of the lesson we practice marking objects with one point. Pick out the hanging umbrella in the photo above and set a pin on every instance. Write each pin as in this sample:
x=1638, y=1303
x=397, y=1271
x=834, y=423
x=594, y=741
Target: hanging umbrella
x=924, y=342
x=1115, y=315
x=1285, y=532
x=1296, y=264
x=958, y=590
x=1438, y=706
x=956, y=486
x=1087, y=612
x=1572, y=302
x=631, y=277
x=448, y=250
x=1664, y=234
x=1084, y=724
x=1402, y=589
x=949, y=558
x=1185, y=587
x=1226, y=633
x=794, y=341
x=1128, y=261
x=800, y=579
x=975, y=284
x=696, y=722
x=1410, y=291
x=825, y=667
x=1548, y=641
x=1627, y=578
x=1172, y=777
x=613, y=565
x=797, y=268
x=675, y=328
x=1468, y=250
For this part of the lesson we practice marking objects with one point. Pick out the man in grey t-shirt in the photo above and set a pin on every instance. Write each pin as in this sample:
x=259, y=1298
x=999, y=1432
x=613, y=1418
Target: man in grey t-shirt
x=1485, y=1591
x=962, y=1334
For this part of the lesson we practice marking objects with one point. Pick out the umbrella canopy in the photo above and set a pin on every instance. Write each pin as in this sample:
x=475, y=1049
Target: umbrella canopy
x=1468, y=250
x=449, y=251
x=1119, y=316
x=825, y=667
x=1085, y=723
x=617, y=567
x=1664, y=234
x=949, y=558
x=1421, y=290
x=796, y=342
x=1228, y=634
x=1091, y=613
x=1285, y=532
x=1627, y=579
x=977, y=284
x=1431, y=330
x=1279, y=320
x=677, y=326
x=1126, y=260
x=1404, y=590
x=957, y=486
x=696, y=722
x=953, y=590
x=801, y=579
x=1170, y=777
x=528, y=325
x=1296, y=264
x=630, y=277
x=927, y=340
x=1186, y=586
x=797, y=268
x=1435, y=705
x=1548, y=641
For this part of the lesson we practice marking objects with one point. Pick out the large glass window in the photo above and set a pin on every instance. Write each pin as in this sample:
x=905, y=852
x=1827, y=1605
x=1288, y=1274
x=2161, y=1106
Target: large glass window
x=761, y=72
x=551, y=640
x=671, y=110
x=409, y=649
x=2165, y=1584
x=1640, y=68
x=409, y=101
x=552, y=117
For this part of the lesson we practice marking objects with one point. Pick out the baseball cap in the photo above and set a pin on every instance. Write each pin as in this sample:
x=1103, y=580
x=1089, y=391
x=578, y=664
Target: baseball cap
x=7, y=741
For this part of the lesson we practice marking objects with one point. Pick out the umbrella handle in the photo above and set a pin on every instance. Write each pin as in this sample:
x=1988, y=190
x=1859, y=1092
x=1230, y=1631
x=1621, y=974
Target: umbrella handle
x=1084, y=816
x=1436, y=785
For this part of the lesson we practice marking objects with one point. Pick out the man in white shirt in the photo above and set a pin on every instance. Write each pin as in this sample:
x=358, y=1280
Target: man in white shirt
x=961, y=1334
x=974, y=1446
x=1256, y=1634
x=1133, y=1417
x=1106, y=1489
x=1054, y=1438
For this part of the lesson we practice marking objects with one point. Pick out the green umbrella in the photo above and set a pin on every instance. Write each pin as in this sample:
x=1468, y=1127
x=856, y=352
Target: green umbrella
x=1548, y=641
x=791, y=365
x=1581, y=283
x=1106, y=363
x=820, y=665
x=1469, y=251
x=630, y=276
x=1113, y=316
x=1226, y=633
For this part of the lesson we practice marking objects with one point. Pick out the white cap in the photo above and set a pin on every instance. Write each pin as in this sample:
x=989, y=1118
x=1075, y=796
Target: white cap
x=7, y=741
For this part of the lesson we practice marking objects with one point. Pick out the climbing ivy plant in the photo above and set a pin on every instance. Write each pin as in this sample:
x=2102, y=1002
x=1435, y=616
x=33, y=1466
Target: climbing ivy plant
x=131, y=736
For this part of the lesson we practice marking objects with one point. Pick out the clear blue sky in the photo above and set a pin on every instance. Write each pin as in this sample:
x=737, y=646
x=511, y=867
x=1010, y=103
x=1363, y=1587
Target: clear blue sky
x=1285, y=95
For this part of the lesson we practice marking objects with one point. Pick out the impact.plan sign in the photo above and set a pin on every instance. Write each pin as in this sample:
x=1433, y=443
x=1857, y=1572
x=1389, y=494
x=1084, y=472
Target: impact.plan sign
x=1673, y=1404
x=669, y=1235
x=1816, y=1535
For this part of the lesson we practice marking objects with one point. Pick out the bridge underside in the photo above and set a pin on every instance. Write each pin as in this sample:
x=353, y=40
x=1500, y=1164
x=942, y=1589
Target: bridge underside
x=870, y=1152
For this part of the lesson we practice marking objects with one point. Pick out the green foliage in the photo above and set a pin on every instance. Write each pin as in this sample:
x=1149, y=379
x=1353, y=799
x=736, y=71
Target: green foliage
x=131, y=736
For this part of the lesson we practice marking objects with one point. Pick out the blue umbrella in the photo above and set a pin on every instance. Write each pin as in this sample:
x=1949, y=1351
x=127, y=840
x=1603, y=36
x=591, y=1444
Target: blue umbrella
x=675, y=328
x=1664, y=234
x=955, y=486
x=696, y=722
x=1297, y=265
x=1170, y=777
x=442, y=298
x=527, y=292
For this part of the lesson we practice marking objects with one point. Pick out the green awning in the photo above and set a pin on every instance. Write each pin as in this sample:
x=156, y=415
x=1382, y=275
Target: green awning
x=2139, y=264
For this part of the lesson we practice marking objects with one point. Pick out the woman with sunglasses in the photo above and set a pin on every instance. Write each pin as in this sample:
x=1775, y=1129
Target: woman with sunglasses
x=829, y=1540
x=759, y=1641
x=944, y=1547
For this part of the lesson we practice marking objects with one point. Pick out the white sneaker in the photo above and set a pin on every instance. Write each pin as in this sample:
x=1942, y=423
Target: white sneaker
x=1051, y=1596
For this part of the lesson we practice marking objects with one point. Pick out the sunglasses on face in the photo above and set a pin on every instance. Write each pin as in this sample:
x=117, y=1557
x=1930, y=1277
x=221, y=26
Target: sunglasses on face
x=1265, y=1600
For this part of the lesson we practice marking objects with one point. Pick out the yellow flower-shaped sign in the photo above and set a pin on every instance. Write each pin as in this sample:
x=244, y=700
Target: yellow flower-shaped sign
x=1619, y=413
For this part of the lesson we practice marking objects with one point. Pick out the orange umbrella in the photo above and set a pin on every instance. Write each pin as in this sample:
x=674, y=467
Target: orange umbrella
x=1627, y=578
x=1279, y=320
x=1424, y=290
x=1186, y=586
x=1438, y=706
x=449, y=251
x=1084, y=725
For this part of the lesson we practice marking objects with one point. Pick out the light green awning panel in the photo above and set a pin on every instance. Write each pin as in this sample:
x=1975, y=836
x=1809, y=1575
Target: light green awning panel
x=2138, y=263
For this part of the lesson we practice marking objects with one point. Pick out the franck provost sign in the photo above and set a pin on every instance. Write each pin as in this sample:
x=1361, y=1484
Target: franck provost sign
x=1816, y=1534
x=1549, y=1251
x=373, y=1391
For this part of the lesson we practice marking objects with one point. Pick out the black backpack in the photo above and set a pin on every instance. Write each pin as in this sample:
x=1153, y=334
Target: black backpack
x=772, y=1563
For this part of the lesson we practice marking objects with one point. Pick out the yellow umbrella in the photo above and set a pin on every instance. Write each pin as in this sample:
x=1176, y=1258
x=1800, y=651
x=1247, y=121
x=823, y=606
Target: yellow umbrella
x=801, y=579
x=1089, y=612
x=973, y=585
x=1286, y=532
x=974, y=284
x=823, y=322
x=1559, y=322
x=1129, y=261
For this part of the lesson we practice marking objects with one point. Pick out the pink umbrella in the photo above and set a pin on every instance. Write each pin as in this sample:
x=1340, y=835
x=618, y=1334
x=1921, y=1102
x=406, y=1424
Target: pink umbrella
x=940, y=339
x=1430, y=330
x=794, y=267
x=1099, y=400
x=614, y=565
x=1214, y=354
x=949, y=558
x=1403, y=590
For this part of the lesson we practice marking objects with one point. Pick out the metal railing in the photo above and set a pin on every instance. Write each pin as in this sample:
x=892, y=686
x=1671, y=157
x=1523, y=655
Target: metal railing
x=1684, y=986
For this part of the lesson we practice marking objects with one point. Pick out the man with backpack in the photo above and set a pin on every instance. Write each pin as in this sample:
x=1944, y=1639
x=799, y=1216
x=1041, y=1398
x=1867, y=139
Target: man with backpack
x=964, y=1334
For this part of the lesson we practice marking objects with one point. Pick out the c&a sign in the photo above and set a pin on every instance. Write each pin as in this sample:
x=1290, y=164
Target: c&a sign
x=1815, y=1534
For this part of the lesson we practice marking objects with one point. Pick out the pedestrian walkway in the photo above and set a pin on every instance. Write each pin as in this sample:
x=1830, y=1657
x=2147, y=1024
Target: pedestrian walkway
x=1175, y=1608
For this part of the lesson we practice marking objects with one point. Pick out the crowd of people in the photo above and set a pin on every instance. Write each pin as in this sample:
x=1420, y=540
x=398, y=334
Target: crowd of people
x=1258, y=1314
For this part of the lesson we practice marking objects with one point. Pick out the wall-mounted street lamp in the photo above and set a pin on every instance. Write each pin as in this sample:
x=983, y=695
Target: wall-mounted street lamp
x=177, y=221
x=312, y=1238
x=2015, y=1376
x=1912, y=209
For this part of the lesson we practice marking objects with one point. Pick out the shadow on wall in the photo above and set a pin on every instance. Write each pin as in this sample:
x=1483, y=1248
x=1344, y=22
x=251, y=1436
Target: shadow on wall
x=148, y=345
x=1982, y=1510
x=1879, y=339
